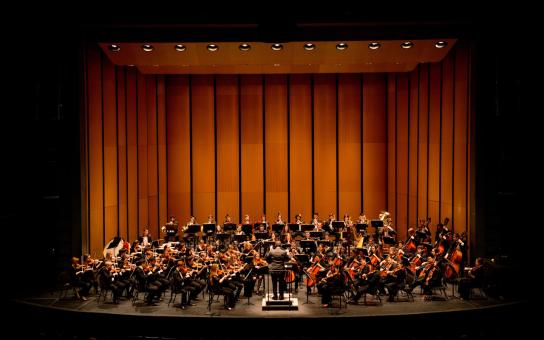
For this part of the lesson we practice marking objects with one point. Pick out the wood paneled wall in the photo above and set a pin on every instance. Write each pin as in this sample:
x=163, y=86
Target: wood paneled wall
x=251, y=144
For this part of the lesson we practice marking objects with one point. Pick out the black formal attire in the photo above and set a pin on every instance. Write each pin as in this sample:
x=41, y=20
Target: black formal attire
x=276, y=259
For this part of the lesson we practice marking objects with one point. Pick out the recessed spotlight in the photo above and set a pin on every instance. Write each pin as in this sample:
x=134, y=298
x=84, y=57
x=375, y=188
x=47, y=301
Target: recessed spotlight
x=441, y=44
x=212, y=47
x=114, y=48
x=276, y=65
x=341, y=46
x=244, y=47
x=155, y=65
x=309, y=47
x=407, y=44
x=374, y=45
x=130, y=65
x=276, y=47
x=147, y=48
x=180, y=48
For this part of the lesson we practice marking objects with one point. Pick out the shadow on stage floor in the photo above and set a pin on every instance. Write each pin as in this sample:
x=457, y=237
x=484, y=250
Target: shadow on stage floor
x=45, y=316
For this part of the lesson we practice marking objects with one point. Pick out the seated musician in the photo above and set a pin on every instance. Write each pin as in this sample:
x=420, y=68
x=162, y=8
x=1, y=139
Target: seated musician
x=279, y=219
x=362, y=219
x=228, y=219
x=262, y=231
x=315, y=219
x=474, y=278
x=77, y=279
x=216, y=285
x=261, y=267
x=239, y=230
x=141, y=277
x=396, y=278
x=366, y=278
x=107, y=279
x=146, y=239
x=329, y=284
x=246, y=219
x=298, y=219
x=211, y=219
x=172, y=220
x=180, y=286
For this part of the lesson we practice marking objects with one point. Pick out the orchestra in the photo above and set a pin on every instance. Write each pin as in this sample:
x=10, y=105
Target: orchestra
x=338, y=255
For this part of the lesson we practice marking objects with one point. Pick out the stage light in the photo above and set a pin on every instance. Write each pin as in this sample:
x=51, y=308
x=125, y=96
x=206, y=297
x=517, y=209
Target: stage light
x=244, y=47
x=114, y=48
x=341, y=46
x=212, y=47
x=441, y=44
x=309, y=47
x=180, y=48
x=374, y=45
x=147, y=48
x=276, y=47
x=407, y=44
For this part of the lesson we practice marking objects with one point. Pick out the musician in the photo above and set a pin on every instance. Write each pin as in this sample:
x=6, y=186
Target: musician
x=216, y=285
x=239, y=230
x=362, y=219
x=330, y=283
x=76, y=272
x=315, y=219
x=277, y=258
x=396, y=279
x=298, y=219
x=211, y=219
x=279, y=219
x=246, y=219
x=106, y=277
x=146, y=239
x=228, y=218
x=474, y=278
x=180, y=286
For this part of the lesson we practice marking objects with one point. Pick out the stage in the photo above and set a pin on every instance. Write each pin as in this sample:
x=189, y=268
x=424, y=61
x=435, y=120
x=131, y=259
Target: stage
x=453, y=318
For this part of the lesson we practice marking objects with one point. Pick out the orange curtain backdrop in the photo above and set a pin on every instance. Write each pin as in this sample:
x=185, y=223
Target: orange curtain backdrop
x=247, y=144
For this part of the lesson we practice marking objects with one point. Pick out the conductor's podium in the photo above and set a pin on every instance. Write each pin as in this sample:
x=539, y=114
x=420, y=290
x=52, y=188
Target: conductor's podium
x=285, y=304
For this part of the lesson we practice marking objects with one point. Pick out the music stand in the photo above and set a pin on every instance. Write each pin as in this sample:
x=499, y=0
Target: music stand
x=277, y=228
x=306, y=227
x=325, y=242
x=261, y=236
x=247, y=229
x=257, y=225
x=222, y=236
x=316, y=234
x=337, y=225
x=388, y=240
x=239, y=238
x=229, y=226
x=376, y=224
x=309, y=245
x=361, y=227
x=294, y=227
x=303, y=259
x=208, y=228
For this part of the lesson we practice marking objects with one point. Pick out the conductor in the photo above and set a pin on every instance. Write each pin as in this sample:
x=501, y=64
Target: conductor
x=276, y=259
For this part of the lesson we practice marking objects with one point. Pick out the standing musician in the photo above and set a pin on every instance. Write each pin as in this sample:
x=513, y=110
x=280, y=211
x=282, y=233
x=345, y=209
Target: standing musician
x=276, y=259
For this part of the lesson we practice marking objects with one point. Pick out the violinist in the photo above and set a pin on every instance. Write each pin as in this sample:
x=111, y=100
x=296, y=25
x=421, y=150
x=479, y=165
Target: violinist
x=216, y=285
x=144, y=284
x=106, y=277
x=396, y=278
x=260, y=266
x=326, y=286
x=366, y=279
x=180, y=284
x=146, y=239
x=76, y=273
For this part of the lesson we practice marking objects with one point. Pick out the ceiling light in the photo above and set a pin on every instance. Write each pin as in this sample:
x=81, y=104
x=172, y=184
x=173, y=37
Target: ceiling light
x=374, y=45
x=309, y=47
x=341, y=46
x=276, y=47
x=407, y=44
x=441, y=44
x=147, y=48
x=244, y=47
x=212, y=47
x=114, y=48
x=180, y=48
